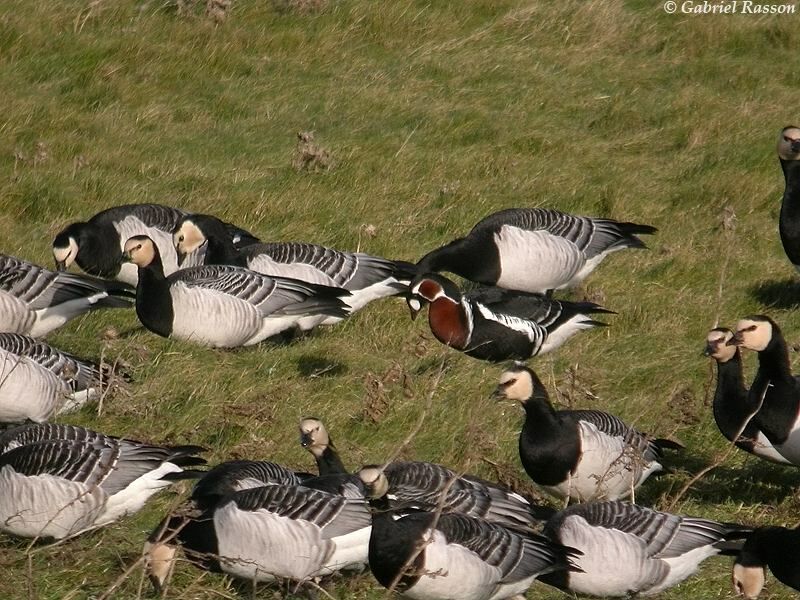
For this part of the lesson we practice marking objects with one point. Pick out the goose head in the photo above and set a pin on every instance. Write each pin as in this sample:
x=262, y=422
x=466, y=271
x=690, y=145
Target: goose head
x=789, y=143
x=748, y=581
x=428, y=288
x=754, y=333
x=375, y=481
x=67, y=244
x=141, y=251
x=188, y=236
x=313, y=436
x=159, y=563
x=718, y=346
x=520, y=383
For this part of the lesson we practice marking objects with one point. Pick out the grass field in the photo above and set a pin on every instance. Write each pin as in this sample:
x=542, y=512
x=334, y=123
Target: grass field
x=434, y=114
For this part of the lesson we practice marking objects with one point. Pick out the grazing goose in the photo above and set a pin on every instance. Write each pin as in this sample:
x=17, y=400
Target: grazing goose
x=97, y=245
x=775, y=547
x=38, y=381
x=222, y=306
x=314, y=437
x=421, y=484
x=733, y=412
x=452, y=555
x=58, y=480
x=34, y=301
x=579, y=455
x=533, y=249
x=629, y=550
x=775, y=390
x=789, y=221
x=276, y=531
x=366, y=277
x=495, y=324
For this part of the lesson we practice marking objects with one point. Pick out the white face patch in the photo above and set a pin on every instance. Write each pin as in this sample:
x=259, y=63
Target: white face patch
x=754, y=335
x=717, y=344
x=188, y=238
x=66, y=255
x=414, y=304
x=748, y=581
x=517, y=385
x=785, y=140
x=141, y=251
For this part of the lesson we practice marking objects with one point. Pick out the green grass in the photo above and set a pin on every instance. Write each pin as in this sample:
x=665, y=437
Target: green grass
x=436, y=114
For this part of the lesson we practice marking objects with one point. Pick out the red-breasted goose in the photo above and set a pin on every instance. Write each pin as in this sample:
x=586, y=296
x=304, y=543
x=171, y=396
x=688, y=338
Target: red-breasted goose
x=366, y=277
x=734, y=410
x=38, y=381
x=774, y=388
x=789, y=220
x=494, y=324
x=222, y=306
x=629, y=550
x=533, y=249
x=775, y=547
x=578, y=455
x=58, y=480
x=34, y=301
x=97, y=244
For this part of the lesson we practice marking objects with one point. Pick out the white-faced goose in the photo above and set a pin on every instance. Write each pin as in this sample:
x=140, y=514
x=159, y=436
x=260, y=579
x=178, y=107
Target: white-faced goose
x=366, y=277
x=628, y=550
x=775, y=547
x=495, y=324
x=222, y=306
x=58, y=480
x=533, y=249
x=578, y=455
x=283, y=531
x=97, y=244
x=774, y=388
x=38, y=381
x=734, y=411
x=35, y=301
x=789, y=221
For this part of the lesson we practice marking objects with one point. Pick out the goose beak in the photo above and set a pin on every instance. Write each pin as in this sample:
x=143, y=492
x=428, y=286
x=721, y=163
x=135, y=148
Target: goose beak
x=181, y=257
x=61, y=265
x=795, y=145
x=708, y=351
x=498, y=393
x=126, y=257
x=305, y=440
x=736, y=340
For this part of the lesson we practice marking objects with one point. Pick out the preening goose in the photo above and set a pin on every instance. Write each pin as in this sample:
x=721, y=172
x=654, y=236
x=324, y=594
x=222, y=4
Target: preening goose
x=533, y=249
x=578, y=455
x=629, y=550
x=366, y=277
x=453, y=555
x=774, y=389
x=222, y=306
x=58, y=480
x=775, y=547
x=495, y=324
x=733, y=409
x=97, y=244
x=38, y=381
x=789, y=221
x=34, y=301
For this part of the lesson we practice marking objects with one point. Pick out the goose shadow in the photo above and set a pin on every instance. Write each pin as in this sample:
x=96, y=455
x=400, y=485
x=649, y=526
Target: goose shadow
x=758, y=482
x=317, y=365
x=777, y=294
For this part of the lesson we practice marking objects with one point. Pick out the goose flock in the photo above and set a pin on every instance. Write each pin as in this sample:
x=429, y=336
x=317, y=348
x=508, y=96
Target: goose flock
x=422, y=529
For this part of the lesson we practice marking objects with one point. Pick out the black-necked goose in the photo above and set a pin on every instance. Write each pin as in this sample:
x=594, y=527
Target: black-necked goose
x=58, y=480
x=533, y=249
x=629, y=550
x=455, y=556
x=38, y=381
x=774, y=388
x=789, y=221
x=97, y=244
x=578, y=455
x=366, y=277
x=222, y=306
x=314, y=437
x=35, y=301
x=495, y=324
x=775, y=547
x=734, y=410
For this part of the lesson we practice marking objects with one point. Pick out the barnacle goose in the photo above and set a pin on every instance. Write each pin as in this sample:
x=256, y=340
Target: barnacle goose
x=366, y=277
x=733, y=409
x=58, y=480
x=97, y=244
x=775, y=547
x=774, y=388
x=35, y=301
x=533, y=249
x=789, y=220
x=578, y=455
x=222, y=306
x=494, y=324
x=427, y=556
x=38, y=381
x=630, y=550
x=314, y=437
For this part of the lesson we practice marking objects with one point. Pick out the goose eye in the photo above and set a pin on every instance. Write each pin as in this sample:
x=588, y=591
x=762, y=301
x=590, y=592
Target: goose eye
x=180, y=238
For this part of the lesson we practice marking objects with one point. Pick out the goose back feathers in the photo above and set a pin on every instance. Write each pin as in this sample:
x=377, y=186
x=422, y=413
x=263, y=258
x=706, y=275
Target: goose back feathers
x=533, y=249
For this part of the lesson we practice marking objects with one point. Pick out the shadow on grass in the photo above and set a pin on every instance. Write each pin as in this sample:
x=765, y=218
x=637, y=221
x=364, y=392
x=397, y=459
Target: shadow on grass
x=319, y=366
x=758, y=482
x=777, y=294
